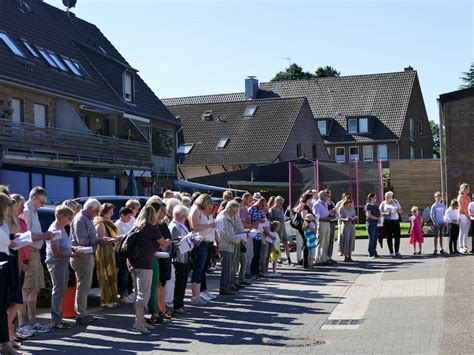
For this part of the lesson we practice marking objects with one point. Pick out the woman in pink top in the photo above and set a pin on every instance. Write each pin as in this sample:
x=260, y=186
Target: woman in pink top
x=464, y=199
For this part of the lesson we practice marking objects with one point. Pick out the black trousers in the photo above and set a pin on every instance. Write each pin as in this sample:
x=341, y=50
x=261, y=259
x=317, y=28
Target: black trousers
x=453, y=230
x=305, y=249
x=393, y=232
x=255, y=265
x=181, y=272
x=5, y=291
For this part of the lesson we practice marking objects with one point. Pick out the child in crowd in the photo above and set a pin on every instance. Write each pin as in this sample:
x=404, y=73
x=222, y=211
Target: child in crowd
x=416, y=235
x=309, y=228
x=123, y=277
x=275, y=252
x=438, y=209
x=452, y=219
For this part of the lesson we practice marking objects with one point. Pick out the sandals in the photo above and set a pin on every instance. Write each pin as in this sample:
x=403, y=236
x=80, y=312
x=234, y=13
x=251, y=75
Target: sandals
x=166, y=315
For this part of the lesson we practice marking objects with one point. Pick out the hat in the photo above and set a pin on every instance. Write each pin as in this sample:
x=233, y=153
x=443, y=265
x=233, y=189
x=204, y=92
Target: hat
x=257, y=196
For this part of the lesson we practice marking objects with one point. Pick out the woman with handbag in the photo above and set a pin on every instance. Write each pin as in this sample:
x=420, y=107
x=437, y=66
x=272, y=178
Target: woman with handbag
x=391, y=211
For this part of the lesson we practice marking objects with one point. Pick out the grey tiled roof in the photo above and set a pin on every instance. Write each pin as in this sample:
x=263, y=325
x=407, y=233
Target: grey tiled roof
x=49, y=27
x=204, y=99
x=256, y=140
x=382, y=96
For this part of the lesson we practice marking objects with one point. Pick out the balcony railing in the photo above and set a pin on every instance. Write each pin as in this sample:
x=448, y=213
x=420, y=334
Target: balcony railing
x=76, y=146
x=164, y=165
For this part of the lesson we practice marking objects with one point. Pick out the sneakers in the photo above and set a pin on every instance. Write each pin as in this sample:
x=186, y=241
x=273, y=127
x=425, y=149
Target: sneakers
x=86, y=320
x=169, y=304
x=207, y=296
x=392, y=255
x=199, y=301
x=276, y=274
x=38, y=328
x=127, y=300
x=140, y=329
x=224, y=292
x=25, y=332
x=181, y=310
x=245, y=283
x=132, y=297
x=398, y=255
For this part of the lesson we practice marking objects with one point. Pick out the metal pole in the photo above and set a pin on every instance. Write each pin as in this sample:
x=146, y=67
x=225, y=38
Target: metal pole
x=290, y=182
x=441, y=151
x=317, y=174
x=357, y=183
x=381, y=197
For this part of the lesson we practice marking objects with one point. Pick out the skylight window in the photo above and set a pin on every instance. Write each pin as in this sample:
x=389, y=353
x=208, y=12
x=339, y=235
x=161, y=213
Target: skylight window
x=47, y=58
x=249, y=111
x=185, y=148
x=30, y=48
x=70, y=64
x=222, y=143
x=207, y=115
x=12, y=46
x=58, y=61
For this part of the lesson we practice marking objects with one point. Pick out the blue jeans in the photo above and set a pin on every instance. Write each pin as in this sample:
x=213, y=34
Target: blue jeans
x=372, y=230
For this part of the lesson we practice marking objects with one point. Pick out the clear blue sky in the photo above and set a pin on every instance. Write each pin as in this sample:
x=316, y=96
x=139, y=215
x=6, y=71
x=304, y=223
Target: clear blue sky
x=190, y=47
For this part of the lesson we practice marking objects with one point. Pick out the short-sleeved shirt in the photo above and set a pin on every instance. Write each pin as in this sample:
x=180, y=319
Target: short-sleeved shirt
x=321, y=210
x=374, y=211
x=437, y=211
x=392, y=208
x=83, y=231
x=148, y=246
x=30, y=215
x=64, y=245
x=4, y=239
x=470, y=209
x=122, y=227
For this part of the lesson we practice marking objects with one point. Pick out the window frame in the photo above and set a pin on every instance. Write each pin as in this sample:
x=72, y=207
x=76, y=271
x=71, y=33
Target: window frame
x=359, y=125
x=72, y=67
x=126, y=75
x=222, y=143
x=386, y=151
x=336, y=155
x=45, y=114
x=349, y=120
x=299, y=150
x=364, y=148
x=412, y=152
x=186, y=148
x=325, y=127
x=30, y=48
x=252, y=108
x=11, y=45
x=422, y=153
x=350, y=155
x=47, y=58
x=412, y=130
x=56, y=58
x=21, y=115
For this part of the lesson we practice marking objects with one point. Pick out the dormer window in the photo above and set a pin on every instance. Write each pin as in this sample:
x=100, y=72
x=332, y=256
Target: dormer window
x=250, y=111
x=185, y=148
x=28, y=46
x=222, y=143
x=12, y=46
x=363, y=125
x=358, y=125
x=352, y=125
x=323, y=127
x=207, y=115
x=58, y=61
x=47, y=58
x=128, y=88
x=72, y=66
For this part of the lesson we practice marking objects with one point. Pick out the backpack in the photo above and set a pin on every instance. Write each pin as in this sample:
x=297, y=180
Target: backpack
x=129, y=245
x=296, y=221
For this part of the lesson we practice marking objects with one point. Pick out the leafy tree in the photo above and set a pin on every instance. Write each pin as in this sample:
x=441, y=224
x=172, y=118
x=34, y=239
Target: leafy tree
x=468, y=78
x=327, y=71
x=436, y=144
x=293, y=72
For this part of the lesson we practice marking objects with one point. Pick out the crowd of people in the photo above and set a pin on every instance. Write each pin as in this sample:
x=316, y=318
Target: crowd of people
x=178, y=235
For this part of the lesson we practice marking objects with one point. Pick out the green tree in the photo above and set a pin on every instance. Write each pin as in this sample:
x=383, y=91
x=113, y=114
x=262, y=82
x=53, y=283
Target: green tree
x=293, y=72
x=436, y=144
x=468, y=78
x=327, y=71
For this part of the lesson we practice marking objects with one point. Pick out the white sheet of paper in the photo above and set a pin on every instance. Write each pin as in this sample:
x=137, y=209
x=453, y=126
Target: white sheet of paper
x=161, y=255
x=84, y=250
x=23, y=240
x=3, y=263
x=253, y=233
x=184, y=246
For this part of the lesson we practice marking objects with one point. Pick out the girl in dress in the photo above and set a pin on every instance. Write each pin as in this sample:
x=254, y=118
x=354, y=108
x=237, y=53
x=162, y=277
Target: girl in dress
x=416, y=235
x=274, y=252
x=309, y=228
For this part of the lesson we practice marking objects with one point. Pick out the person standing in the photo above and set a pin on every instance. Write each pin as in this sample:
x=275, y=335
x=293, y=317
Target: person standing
x=34, y=276
x=332, y=230
x=416, y=234
x=83, y=234
x=438, y=209
x=321, y=211
x=348, y=221
x=470, y=209
x=304, y=208
x=464, y=199
x=123, y=277
x=247, y=202
x=257, y=214
x=372, y=215
x=277, y=213
x=451, y=217
x=391, y=211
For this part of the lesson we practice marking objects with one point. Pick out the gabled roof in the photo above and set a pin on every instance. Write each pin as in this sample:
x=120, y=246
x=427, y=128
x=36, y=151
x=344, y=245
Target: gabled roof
x=456, y=95
x=48, y=27
x=204, y=99
x=259, y=139
x=382, y=96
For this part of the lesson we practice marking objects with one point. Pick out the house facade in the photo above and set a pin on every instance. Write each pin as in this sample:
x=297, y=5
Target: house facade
x=229, y=136
x=75, y=116
x=457, y=122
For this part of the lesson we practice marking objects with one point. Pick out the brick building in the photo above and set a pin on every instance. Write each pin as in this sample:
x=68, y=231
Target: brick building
x=457, y=118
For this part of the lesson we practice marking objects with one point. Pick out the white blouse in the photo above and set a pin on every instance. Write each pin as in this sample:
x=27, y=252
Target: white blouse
x=4, y=239
x=209, y=234
x=451, y=216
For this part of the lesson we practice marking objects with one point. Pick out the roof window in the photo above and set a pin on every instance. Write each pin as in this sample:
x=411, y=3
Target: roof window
x=128, y=87
x=58, y=61
x=47, y=58
x=222, y=143
x=74, y=68
x=12, y=46
x=250, y=111
x=30, y=48
x=185, y=148
x=207, y=115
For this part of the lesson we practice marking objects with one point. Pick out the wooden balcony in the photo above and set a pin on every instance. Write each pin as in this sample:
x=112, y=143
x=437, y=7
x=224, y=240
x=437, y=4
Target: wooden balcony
x=80, y=148
x=164, y=166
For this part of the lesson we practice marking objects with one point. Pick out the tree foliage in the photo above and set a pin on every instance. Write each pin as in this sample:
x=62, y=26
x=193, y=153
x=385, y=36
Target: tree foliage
x=295, y=72
x=468, y=78
x=436, y=143
x=327, y=71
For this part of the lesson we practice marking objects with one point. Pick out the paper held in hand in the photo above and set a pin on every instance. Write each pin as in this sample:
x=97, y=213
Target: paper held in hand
x=84, y=250
x=186, y=243
x=161, y=255
x=23, y=240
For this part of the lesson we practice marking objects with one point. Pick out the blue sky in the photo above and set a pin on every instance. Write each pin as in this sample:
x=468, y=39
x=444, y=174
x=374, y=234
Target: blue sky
x=185, y=47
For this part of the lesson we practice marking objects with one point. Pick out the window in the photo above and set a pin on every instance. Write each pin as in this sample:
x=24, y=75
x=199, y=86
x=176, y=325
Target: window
x=58, y=61
x=47, y=58
x=315, y=151
x=353, y=153
x=363, y=125
x=250, y=111
x=74, y=68
x=322, y=126
x=40, y=115
x=185, y=148
x=299, y=152
x=207, y=115
x=12, y=46
x=422, y=153
x=421, y=127
x=81, y=69
x=31, y=49
x=17, y=106
x=222, y=143
x=368, y=152
x=329, y=151
x=382, y=152
x=340, y=155
x=162, y=142
x=412, y=152
x=352, y=125
x=128, y=87
x=412, y=129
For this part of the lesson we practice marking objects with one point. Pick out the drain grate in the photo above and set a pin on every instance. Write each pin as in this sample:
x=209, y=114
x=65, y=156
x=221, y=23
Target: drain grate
x=344, y=321
x=294, y=342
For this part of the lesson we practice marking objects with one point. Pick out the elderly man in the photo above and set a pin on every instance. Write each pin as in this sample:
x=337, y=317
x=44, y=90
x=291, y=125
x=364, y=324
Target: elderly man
x=83, y=234
x=34, y=277
x=320, y=209
x=227, y=242
x=247, y=202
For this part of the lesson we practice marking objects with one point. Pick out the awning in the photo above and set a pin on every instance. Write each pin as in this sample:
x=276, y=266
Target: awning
x=101, y=109
x=201, y=187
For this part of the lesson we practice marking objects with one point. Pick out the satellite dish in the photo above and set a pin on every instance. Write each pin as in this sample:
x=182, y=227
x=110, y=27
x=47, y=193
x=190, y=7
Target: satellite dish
x=69, y=3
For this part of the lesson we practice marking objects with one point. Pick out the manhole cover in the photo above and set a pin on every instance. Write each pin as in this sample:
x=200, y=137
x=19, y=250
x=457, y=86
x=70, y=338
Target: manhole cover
x=344, y=321
x=294, y=343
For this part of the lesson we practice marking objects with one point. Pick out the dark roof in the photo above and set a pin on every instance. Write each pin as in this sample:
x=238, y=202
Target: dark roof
x=256, y=140
x=204, y=99
x=385, y=97
x=50, y=28
x=456, y=95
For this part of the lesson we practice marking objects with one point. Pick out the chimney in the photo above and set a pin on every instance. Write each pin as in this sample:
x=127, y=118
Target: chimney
x=409, y=68
x=251, y=88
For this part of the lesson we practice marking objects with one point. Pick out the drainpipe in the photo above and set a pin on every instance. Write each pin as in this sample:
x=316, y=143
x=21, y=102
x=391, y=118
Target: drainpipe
x=176, y=146
x=441, y=150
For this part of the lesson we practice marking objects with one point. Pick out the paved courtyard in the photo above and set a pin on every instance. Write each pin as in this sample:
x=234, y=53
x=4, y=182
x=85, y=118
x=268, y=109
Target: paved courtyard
x=411, y=305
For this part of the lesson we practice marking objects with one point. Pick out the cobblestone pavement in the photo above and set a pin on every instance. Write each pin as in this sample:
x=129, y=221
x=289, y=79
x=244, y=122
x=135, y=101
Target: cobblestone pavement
x=385, y=305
